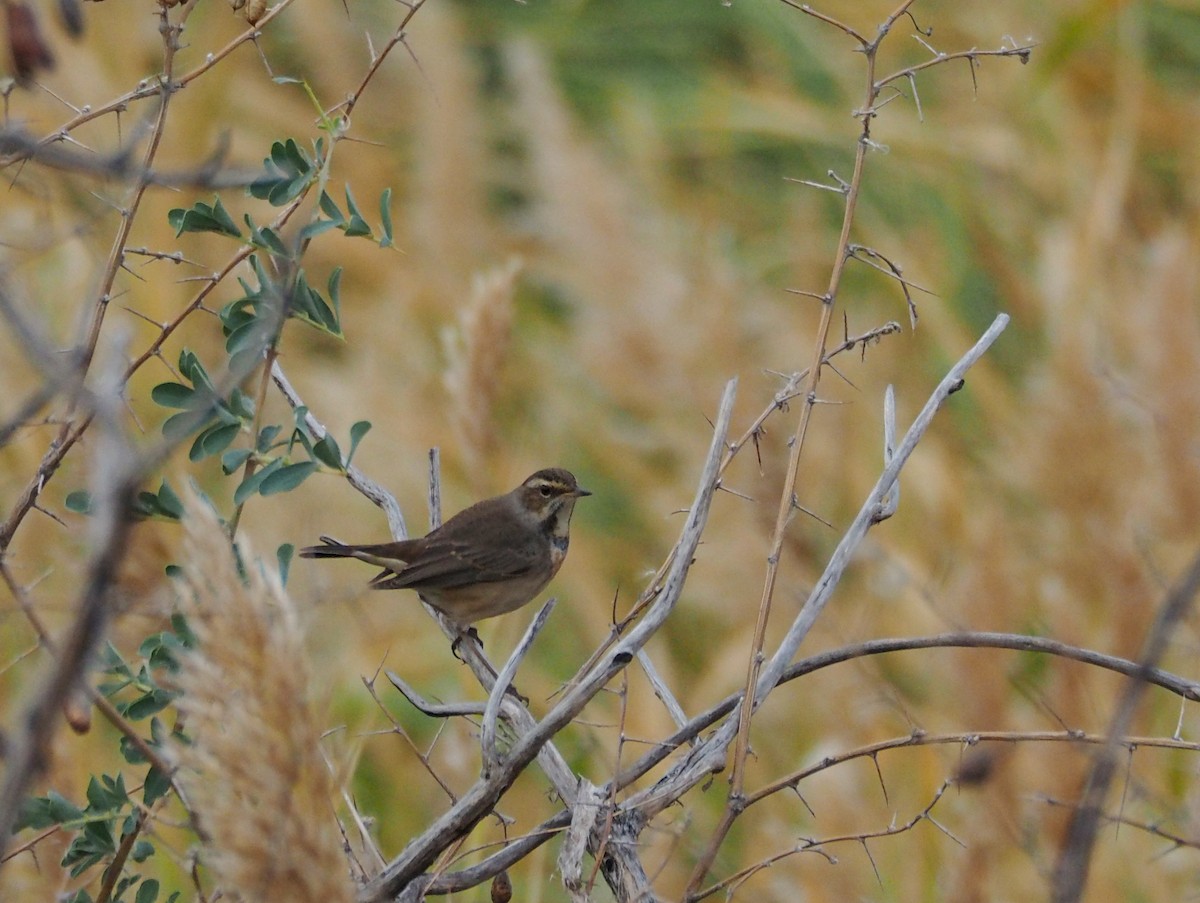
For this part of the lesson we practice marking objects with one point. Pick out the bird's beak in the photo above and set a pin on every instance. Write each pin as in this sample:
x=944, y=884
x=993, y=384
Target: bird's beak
x=580, y=492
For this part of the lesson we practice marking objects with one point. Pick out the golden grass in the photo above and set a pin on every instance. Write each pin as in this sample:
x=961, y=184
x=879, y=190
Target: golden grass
x=252, y=768
x=476, y=355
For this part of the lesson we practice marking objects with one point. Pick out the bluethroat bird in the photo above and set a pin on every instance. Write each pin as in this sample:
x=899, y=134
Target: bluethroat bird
x=487, y=560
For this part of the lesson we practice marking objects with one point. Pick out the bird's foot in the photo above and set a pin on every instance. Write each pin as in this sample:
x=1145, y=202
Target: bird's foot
x=469, y=634
x=517, y=694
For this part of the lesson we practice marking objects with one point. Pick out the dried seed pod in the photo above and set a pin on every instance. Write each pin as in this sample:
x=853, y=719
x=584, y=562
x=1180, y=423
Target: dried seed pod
x=70, y=13
x=77, y=709
x=255, y=9
x=501, y=888
x=976, y=767
x=25, y=42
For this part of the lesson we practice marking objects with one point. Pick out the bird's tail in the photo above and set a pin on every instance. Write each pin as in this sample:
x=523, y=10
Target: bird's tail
x=392, y=556
x=329, y=548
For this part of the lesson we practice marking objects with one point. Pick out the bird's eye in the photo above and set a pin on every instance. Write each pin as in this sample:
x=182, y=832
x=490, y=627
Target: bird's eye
x=545, y=491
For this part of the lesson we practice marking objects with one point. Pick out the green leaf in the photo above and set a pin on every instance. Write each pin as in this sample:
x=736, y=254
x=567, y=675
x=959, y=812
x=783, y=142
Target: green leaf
x=159, y=734
x=131, y=753
x=241, y=405
x=300, y=435
x=183, y=630
x=173, y=395
x=317, y=227
x=204, y=218
x=79, y=501
x=190, y=367
x=91, y=846
x=266, y=437
x=150, y=644
x=249, y=337
x=235, y=313
x=148, y=892
x=286, y=192
x=267, y=239
x=224, y=220
x=160, y=650
x=357, y=431
x=44, y=811
x=106, y=793
x=156, y=786
x=303, y=306
x=298, y=160
x=327, y=452
x=357, y=228
x=385, y=216
x=358, y=224
x=149, y=703
x=330, y=208
x=214, y=440
x=287, y=478
x=180, y=426
x=249, y=486
x=284, y=556
x=234, y=459
x=245, y=361
x=142, y=850
x=334, y=285
x=226, y=416
x=164, y=503
x=113, y=663
x=312, y=308
x=289, y=171
x=169, y=502
x=187, y=361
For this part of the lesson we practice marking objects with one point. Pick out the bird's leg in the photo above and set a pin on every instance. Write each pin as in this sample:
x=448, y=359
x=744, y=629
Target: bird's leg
x=517, y=694
x=469, y=634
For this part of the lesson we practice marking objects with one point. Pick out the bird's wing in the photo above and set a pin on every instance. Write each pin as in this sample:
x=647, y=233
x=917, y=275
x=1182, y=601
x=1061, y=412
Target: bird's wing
x=445, y=564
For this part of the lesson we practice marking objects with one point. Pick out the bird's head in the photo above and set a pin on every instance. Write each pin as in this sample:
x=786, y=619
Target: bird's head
x=550, y=493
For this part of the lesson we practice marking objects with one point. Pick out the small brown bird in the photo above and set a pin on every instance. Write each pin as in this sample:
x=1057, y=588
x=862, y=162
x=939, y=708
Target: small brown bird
x=485, y=561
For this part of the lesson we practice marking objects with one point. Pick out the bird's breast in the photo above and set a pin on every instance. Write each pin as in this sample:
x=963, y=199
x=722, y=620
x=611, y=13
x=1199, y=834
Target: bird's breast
x=558, y=551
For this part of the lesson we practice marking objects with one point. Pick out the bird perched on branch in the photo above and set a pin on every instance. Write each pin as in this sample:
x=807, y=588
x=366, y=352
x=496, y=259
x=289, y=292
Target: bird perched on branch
x=487, y=560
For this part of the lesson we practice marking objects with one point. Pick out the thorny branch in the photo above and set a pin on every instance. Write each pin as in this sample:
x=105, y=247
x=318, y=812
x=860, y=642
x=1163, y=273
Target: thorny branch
x=1070, y=872
x=623, y=871
x=690, y=732
x=813, y=845
x=752, y=434
x=117, y=476
x=17, y=145
x=808, y=389
x=631, y=816
x=153, y=87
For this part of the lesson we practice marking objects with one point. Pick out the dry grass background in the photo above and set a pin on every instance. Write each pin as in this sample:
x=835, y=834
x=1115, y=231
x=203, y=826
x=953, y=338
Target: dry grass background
x=594, y=235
